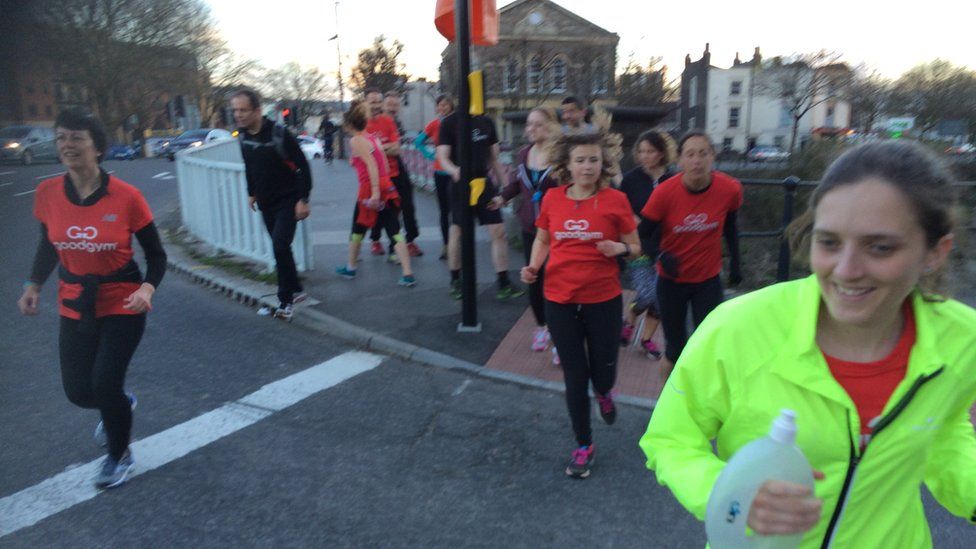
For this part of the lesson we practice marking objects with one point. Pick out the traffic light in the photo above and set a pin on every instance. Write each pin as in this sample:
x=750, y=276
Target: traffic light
x=286, y=116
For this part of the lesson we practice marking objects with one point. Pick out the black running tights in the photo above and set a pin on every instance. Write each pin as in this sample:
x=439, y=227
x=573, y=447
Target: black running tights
x=587, y=338
x=672, y=301
x=93, y=367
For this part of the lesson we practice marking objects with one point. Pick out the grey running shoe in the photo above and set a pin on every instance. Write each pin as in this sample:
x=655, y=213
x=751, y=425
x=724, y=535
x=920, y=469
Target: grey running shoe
x=114, y=472
x=100, y=437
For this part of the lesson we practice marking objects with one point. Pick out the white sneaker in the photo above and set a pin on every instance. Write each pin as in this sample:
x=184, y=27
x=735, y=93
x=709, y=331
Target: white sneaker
x=267, y=310
x=555, y=357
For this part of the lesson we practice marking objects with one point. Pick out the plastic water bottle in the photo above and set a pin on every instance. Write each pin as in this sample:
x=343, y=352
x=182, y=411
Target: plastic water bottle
x=774, y=457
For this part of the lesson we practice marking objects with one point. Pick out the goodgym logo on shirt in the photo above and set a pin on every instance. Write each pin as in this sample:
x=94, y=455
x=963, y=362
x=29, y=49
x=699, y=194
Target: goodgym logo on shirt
x=696, y=223
x=577, y=229
x=81, y=238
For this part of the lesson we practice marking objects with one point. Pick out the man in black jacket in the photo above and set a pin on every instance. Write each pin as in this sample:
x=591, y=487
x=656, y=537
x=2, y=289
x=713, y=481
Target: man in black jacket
x=278, y=183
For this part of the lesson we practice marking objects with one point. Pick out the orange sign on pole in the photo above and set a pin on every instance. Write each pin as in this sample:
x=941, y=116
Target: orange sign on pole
x=484, y=21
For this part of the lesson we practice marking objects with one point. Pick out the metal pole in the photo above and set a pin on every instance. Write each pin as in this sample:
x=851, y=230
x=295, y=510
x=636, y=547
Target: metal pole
x=469, y=301
x=790, y=185
x=338, y=144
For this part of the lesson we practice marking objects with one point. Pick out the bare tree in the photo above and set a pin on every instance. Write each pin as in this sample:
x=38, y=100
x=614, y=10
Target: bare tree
x=129, y=55
x=379, y=67
x=301, y=85
x=869, y=95
x=936, y=91
x=802, y=82
x=222, y=72
x=644, y=85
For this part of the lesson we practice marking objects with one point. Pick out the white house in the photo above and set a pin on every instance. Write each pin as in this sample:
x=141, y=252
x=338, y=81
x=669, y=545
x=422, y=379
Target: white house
x=731, y=106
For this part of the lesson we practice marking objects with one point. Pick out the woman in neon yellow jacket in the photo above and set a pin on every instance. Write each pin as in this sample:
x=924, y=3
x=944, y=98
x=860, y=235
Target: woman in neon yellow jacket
x=880, y=370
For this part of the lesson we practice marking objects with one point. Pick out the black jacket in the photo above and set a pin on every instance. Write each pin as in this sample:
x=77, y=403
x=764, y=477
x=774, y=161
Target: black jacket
x=272, y=179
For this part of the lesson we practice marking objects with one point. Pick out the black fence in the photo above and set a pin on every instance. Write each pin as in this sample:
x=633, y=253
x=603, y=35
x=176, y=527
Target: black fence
x=792, y=186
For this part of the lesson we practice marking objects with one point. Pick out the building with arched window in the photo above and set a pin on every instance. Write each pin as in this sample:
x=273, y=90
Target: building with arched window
x=544, y=53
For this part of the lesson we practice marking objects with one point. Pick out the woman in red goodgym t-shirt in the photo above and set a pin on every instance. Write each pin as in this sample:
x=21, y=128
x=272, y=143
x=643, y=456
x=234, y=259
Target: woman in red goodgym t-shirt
x=87, y=220
x=693, y=210
x=582, y=228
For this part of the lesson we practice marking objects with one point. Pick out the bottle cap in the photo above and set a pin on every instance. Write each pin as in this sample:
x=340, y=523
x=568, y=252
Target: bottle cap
x=784, y=427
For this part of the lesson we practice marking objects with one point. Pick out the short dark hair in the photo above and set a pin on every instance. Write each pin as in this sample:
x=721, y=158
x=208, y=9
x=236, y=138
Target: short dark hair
x=696, y=132
x=444, y=97
x=573, y=100
x=660, y=141
x=370, y=90
x=80, y=120
x=252, y=96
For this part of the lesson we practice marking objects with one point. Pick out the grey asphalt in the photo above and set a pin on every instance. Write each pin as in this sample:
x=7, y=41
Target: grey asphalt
x=402, y=456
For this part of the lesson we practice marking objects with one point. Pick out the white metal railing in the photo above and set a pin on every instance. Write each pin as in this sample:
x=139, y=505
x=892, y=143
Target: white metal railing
x=420, y=169
x=213, y=203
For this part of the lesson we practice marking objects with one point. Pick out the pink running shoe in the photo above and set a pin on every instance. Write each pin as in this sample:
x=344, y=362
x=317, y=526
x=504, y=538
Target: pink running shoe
x=608, y=410
x=651, y=349
x=555, y=357
x=540, y=339
x=626, y=334
x=579, y=466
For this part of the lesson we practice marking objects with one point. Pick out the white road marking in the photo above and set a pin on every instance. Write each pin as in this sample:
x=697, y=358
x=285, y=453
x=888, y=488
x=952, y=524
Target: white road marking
x=6, y=173
x=25, y=192
x=164, y=175
x=50, y=175
x=74, y=486
x=7, y=183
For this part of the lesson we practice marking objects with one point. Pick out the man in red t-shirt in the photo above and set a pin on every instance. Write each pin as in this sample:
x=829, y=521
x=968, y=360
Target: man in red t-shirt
x=384, y=129
x=693, y=210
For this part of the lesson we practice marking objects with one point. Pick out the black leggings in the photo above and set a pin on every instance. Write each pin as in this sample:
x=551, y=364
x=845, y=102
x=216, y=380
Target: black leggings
x=587, y=338
x=404, y=188
x=281, y=223
x=672, y=301
x=536, y=299
x=442, y=182
x=93, y=368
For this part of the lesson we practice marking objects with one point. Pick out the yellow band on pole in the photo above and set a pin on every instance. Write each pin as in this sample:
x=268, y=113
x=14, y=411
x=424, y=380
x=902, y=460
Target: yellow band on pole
x=477, y=187
x=476, y=85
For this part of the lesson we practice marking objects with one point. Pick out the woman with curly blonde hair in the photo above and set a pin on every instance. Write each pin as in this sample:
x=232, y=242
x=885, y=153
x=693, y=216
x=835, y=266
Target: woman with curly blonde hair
x=582, y=228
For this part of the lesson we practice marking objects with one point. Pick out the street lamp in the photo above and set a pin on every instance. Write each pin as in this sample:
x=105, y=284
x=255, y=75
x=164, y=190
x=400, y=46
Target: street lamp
x=342, y=93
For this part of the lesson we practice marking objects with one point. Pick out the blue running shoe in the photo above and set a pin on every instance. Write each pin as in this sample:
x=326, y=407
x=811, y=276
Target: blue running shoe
x=409, y=281
x=346, y=272
x=114, y=472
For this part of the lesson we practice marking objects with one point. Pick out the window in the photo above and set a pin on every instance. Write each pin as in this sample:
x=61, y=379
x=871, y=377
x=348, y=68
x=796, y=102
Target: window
x=785, y=117
x=693, y=92
x=534, y=75
x=736, y=88
x=734, y=117
x=32, y=109
x=48, y=111
x=599, y=72
x=557, y=75
x=727, y=144
x=512, y=76
x=779, y=141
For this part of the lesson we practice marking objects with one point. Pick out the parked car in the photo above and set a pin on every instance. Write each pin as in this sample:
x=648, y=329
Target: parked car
x=120, y=152
x=767, y=153
x=965, y=148
x=313, y=148
x=186, y=140
x=27, y=144
x=157, y=145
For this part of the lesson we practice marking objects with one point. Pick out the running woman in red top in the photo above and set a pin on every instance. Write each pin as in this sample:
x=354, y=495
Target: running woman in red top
x=693, y=210
x=377, y=202
x=87, y=220
x=384, y=129
x=583, y=227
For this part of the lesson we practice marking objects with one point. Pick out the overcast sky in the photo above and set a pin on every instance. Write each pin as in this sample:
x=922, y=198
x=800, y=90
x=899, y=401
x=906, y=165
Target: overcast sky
x=892, y=37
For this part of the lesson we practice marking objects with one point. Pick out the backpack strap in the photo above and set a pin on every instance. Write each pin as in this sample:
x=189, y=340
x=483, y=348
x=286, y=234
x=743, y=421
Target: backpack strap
x=278, y=139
